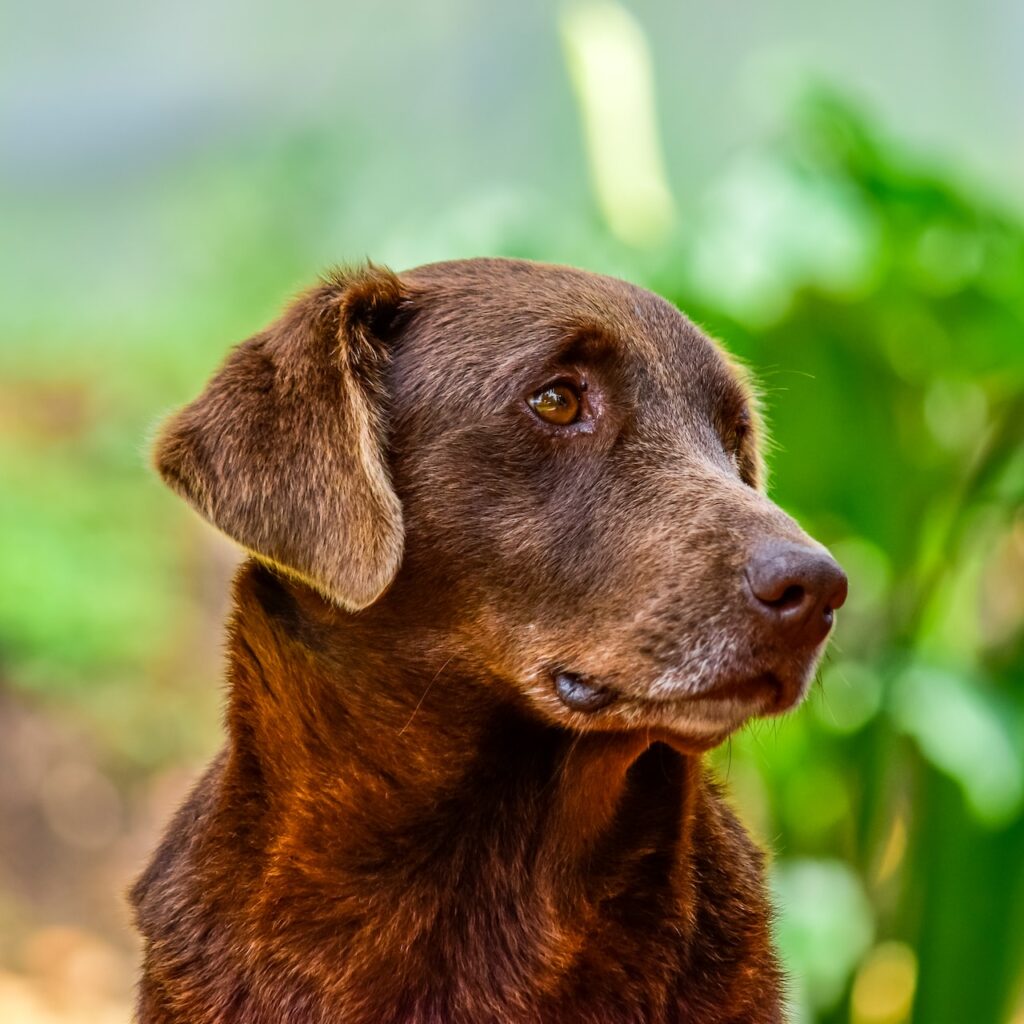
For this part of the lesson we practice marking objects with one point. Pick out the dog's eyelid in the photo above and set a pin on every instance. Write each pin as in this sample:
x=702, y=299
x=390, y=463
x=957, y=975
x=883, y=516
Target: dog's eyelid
x=557, y=374
x=578, y=382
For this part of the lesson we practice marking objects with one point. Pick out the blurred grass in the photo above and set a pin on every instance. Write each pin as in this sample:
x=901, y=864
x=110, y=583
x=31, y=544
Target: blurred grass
x=881, y=304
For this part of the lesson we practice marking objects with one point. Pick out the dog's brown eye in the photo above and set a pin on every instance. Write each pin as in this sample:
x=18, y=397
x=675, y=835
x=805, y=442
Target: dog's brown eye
x=559, y=404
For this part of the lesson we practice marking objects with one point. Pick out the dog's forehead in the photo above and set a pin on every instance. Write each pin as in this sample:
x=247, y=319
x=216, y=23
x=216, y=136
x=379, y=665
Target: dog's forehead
x=491, y=320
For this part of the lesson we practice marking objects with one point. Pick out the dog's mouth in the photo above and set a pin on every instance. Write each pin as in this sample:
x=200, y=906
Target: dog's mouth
x=707, y=716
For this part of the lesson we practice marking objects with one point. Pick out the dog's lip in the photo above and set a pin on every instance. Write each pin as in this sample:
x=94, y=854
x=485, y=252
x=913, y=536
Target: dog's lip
x=582, y=693
x=765, y=688
x=762, y=693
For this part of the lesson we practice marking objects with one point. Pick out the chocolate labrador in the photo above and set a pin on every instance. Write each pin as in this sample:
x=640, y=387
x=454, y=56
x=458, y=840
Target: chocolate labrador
x=511, y=575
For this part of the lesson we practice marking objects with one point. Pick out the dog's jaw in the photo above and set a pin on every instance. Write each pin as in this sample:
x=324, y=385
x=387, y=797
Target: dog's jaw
x=694, y=718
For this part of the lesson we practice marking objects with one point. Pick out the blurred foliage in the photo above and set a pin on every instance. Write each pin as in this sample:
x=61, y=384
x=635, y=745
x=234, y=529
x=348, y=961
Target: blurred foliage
x=882, y=308
x=888, y=328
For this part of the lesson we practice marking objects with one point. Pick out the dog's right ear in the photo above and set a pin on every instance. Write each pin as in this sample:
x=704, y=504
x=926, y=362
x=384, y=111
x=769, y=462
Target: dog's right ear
x=285, y=449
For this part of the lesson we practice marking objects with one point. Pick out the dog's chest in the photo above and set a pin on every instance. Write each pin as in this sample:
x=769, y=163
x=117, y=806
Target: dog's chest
x=512, y=919
x=485, y=906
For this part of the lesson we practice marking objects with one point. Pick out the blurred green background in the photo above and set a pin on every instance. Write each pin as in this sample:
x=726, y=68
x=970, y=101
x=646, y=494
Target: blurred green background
x=834, y=190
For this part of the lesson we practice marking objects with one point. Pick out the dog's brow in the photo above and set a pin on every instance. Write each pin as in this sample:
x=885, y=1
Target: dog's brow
x=589, y=343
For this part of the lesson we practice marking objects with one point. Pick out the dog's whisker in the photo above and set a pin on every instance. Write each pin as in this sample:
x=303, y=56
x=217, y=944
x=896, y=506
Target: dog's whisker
x=419, y=703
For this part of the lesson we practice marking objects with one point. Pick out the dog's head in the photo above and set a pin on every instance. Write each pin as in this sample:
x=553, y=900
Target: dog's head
x=555, y=471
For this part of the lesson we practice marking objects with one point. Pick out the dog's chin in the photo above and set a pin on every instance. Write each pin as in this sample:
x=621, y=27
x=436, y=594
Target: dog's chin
x=703, y=720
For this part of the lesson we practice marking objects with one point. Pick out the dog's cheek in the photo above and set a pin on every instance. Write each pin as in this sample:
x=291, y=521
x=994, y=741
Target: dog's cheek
x=497, y=516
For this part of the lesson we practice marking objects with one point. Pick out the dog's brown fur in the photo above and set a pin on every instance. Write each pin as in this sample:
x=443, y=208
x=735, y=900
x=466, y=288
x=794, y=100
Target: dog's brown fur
x=407, y=824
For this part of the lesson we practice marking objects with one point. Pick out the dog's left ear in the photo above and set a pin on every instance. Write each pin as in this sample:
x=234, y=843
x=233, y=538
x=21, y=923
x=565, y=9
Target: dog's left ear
x=285, y=449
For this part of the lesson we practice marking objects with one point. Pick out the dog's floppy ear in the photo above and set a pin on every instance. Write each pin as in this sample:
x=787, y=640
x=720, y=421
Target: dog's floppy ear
x=284, y=450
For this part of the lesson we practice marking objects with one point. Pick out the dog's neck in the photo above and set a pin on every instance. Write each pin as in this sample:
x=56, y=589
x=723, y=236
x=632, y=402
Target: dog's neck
x=385, y=844
x=370, y=774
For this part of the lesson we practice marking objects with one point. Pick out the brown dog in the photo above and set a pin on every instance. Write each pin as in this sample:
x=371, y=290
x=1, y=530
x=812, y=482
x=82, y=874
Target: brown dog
x=512, y=574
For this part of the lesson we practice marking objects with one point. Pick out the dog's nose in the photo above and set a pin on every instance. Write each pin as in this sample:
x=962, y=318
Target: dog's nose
x=797, y=587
